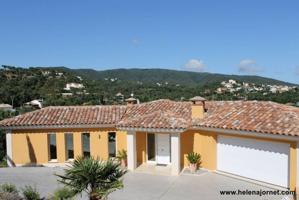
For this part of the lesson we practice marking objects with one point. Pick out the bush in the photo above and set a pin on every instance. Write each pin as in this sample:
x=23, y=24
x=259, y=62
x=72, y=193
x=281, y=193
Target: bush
x=30, y=193
x=3, y=163
x=193, y=157
x=64, y=193
x=9, y=188
x=9, y=196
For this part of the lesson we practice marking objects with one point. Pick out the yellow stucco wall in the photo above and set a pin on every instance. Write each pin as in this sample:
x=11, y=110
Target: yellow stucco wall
x=141, y=147
x=31, y=146
x=121, y=140
x=204, y=143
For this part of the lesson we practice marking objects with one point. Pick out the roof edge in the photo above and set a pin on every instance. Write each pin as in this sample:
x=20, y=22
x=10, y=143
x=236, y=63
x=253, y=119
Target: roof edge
x=249, y=133
x=157, y=130
x=57, y=126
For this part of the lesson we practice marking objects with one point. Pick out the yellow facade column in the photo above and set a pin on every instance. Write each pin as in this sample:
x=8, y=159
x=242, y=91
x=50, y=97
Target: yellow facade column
x=61, y=153
x=99, y=144
x=121, y=140
x=78, y=151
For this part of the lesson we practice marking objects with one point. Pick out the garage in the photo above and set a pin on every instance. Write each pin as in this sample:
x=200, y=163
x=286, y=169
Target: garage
x=255, y=159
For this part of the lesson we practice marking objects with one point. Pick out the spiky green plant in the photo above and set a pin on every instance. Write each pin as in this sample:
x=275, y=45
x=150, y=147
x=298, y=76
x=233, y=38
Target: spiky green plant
x=122, y=154
x=30, y=193
x=96, y=177
x=8, y=187
x=64, y=193
x=194, y=158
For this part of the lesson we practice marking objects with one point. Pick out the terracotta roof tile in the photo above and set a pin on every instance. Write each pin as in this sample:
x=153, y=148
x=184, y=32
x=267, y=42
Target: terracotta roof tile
x=68, y=115
x=258, y=116
x=158, y=114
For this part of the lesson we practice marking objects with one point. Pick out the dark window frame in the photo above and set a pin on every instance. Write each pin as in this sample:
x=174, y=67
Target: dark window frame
x=52, y=149
x=87, y=153
x=110, y=143
x=69, y=152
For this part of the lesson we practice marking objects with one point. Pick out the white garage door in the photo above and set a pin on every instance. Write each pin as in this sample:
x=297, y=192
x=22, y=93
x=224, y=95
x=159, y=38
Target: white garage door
x=255, y=159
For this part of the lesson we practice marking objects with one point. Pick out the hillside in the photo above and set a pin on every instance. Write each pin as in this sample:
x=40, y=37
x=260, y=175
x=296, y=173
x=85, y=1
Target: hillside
x=65, y=86
x=172, y=76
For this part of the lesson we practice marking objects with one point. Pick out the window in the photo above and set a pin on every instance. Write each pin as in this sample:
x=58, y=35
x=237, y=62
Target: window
x=69, y=145
x=52, y=146
x=86, y=144
x=112, y=144
x=151, y=148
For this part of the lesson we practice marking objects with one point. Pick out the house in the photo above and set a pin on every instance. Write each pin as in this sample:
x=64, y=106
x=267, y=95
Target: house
x=6, y=107
x=36, y=103
x=119, y=97
x=69, y=86
x=256, y=140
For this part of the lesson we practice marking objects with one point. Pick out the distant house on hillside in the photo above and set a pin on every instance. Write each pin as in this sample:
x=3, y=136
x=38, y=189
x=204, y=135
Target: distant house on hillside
x=6, y=107
x=119, y=97
x=69, y=86
x=36, y=103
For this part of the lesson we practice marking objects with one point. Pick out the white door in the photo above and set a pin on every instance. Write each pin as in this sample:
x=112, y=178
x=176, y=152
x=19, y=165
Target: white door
x=254, y=159
x=163, y=149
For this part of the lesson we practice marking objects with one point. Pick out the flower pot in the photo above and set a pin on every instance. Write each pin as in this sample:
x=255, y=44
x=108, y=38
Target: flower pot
x=123, y=163
x=193, y=167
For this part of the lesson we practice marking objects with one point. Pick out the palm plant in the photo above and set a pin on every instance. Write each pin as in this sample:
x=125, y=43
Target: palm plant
x=194, y=159
x=97, y=178
x=122, y=156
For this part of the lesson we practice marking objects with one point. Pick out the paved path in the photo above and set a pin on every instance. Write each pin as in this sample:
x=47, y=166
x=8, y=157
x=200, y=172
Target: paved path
x=142, y=186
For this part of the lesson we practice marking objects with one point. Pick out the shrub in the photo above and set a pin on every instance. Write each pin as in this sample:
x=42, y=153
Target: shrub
x=30, y=193
x=9, y=196
x=64, y=193
x=9, y=188
x=122, y=154
x=3, y=163
x=193, y=158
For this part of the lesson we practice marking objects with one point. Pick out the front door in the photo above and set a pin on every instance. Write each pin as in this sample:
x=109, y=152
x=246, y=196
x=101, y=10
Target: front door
x=163, y=149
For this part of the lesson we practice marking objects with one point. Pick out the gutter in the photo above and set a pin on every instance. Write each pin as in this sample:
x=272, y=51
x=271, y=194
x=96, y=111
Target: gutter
x=56, y=126
x=159, y=130
x=248, y=133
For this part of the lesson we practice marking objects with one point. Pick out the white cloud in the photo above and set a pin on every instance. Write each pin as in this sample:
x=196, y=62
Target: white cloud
x=195, y=65
x=248, y=66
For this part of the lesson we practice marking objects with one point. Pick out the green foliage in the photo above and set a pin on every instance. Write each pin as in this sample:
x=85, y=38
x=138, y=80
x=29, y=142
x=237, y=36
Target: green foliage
x=3, y=163
x=20, y=85
x=64, y=193
x=193, y=158
x=8, y=187
x=30, y=193
x=9, y=196
x=97, y=178
x=122, y=154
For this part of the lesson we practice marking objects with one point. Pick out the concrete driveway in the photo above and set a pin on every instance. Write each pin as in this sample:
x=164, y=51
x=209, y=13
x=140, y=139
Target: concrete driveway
x=143, y=186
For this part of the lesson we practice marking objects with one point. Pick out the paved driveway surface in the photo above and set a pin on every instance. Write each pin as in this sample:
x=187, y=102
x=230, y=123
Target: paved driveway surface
x=142, y=186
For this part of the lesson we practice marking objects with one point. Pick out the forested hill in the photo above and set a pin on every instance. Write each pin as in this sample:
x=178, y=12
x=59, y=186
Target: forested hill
x=21, y=85
x=171, y=76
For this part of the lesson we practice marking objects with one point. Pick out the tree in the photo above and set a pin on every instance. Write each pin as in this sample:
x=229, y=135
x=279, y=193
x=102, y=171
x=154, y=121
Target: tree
x=97, y=178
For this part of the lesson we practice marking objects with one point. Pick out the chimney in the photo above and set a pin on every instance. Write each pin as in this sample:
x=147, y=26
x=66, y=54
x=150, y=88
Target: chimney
x=131, y=101
x=198, y=107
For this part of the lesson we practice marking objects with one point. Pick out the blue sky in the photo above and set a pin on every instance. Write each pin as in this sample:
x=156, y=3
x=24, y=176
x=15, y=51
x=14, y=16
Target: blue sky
x=231, y=37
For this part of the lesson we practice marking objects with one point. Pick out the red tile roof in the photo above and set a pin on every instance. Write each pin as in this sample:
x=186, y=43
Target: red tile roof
x=257, y=116
x=158, y=114
x=68, y=115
